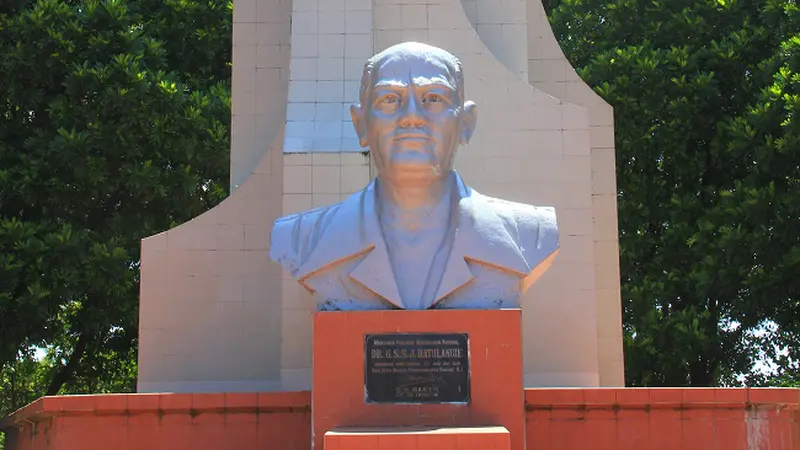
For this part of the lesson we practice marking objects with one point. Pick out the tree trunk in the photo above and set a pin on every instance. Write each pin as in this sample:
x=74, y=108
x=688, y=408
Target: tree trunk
x=13, y=370
x=64, y=373
x=700, y=375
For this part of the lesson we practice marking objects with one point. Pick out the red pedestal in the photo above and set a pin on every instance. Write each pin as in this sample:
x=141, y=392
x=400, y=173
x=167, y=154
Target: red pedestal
x=397, y=438
x=495, y=371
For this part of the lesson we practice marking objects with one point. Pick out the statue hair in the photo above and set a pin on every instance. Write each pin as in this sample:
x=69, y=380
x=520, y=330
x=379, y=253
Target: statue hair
x=450, y=60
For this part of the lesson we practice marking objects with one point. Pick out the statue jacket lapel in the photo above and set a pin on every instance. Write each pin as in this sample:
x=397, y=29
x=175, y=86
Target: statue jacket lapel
x=352, y=230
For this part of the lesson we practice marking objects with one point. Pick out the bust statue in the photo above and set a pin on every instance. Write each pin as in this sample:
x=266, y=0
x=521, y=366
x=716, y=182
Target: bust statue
x=417, y=237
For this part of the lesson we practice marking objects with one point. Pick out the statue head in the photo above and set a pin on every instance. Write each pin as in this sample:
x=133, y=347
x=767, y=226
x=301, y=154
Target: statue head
x=412, y=113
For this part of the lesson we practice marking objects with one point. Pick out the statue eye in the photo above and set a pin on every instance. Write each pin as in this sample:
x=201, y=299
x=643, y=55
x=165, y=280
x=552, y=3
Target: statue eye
x=432, y=98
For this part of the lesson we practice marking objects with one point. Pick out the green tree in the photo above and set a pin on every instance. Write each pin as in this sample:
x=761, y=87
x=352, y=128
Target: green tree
x=114, y=119
x=705, y=100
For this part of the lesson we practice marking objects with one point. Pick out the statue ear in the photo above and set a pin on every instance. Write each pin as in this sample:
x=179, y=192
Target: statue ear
x=469, y=118
x=357, y=114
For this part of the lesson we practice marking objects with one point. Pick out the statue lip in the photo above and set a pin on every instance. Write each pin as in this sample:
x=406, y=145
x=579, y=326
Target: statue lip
x=411, y=136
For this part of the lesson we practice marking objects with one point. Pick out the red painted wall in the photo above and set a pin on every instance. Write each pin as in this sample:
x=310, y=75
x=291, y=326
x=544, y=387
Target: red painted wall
x=279, y=421
x=663, y=419
x=563, y=419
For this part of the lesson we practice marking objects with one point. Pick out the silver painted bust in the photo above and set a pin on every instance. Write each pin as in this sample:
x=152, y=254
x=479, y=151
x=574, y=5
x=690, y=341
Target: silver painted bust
x=417, y=237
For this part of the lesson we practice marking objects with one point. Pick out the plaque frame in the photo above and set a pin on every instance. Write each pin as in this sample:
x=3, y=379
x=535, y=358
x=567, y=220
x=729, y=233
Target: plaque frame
x=462, y=379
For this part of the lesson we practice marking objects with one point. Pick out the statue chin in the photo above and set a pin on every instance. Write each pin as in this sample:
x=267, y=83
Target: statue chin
x=414, y=162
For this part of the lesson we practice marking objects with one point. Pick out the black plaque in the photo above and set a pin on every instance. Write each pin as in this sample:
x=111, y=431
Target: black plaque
x=416, y=368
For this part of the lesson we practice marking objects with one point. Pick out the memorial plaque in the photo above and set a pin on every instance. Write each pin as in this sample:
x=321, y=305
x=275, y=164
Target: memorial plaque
x=416, y=368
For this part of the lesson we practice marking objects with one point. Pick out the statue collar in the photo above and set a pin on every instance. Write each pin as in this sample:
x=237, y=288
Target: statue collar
x=353, y=231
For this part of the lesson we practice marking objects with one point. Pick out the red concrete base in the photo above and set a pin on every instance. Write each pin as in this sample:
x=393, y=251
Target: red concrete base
x=495, y=368
x=400, y=438
x=663, y=419
x=563, y=419
x=278, y=421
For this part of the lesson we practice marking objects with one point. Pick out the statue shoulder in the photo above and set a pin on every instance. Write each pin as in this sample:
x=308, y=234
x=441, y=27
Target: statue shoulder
x=293, y=237
x=534, y=228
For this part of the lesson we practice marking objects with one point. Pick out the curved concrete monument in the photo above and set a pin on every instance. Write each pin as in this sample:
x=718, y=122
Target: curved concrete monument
x=416, y=237
x=217, y=315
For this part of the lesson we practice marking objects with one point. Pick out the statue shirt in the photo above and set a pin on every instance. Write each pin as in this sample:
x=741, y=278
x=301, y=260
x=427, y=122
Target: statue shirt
x=338, y=253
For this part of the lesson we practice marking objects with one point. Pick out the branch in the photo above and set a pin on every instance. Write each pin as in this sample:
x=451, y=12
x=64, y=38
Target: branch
x=65, y=372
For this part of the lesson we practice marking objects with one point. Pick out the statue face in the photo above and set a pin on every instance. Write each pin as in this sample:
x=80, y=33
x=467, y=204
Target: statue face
x=413, y=118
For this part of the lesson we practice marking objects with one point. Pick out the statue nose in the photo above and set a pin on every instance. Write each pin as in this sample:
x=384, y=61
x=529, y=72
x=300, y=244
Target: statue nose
x=411, y=114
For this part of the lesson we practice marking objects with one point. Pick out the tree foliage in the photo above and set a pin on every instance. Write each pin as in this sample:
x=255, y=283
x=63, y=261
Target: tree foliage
x=705, y=94
x=114, y=119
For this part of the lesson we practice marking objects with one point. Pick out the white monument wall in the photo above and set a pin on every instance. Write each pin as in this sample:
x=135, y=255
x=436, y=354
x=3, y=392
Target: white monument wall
x=216, y=315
